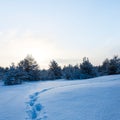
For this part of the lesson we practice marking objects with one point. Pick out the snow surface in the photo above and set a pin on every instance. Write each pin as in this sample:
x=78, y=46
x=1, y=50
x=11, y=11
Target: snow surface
x=92, y=99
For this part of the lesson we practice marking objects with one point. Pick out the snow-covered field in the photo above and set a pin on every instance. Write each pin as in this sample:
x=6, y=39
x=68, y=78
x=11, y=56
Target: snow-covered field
x=93, y=99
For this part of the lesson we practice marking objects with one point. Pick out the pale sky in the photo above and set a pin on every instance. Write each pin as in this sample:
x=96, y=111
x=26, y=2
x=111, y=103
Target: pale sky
x=64, y=30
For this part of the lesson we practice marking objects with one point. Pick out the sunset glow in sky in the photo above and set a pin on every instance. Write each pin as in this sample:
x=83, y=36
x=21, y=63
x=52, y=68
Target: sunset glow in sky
x=64, y=30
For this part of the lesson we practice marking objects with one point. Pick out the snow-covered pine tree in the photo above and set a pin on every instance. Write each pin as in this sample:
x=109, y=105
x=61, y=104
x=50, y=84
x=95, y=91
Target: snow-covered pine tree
x=114, y=66
x=71, y=72
x=13, y=76
x=2, y=72
x=77, y=73
x=68, y=72
x=87, y=69
x=104, y=67
x=54, y=71
x=31, y=69
x=44, y=75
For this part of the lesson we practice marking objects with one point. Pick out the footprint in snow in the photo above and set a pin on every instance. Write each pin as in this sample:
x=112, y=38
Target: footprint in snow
x=35, y=111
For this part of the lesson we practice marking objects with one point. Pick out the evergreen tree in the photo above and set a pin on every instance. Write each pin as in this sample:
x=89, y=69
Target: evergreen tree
x=77, y=73
x=68, y=72
x=71, y=72
x=30, y=68
x=54, y=71
x=87, y=69
x=44, y=75
x=2, y=72
x=105, y=66
x=114, y=66
x=13, y=76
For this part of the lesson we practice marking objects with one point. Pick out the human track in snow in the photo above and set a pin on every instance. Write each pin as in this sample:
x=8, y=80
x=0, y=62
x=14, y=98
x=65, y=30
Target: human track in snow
x=35, y=110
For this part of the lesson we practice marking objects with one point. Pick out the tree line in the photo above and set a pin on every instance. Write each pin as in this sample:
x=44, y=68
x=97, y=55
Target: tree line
x=28, y=70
